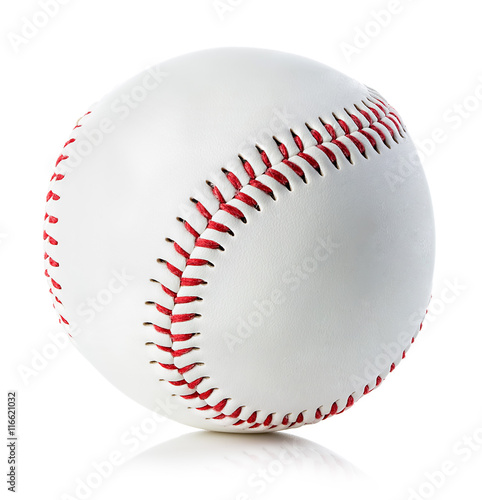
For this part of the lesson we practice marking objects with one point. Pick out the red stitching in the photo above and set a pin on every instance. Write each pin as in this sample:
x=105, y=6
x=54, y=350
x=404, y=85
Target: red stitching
x=370, y=133
x=51, y=219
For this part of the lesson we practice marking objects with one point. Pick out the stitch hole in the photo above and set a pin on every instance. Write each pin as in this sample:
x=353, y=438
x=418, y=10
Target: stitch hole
x=297, y=140
x=315, y=134
x=243, y=163
x=217, y=194
x=364, y=113
x=282, y=148
x=324, y=124
x=342, y=124
x=264, y=156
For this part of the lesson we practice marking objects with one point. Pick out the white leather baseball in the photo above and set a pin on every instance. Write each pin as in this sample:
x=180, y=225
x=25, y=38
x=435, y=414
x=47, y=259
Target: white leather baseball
x=241, y=239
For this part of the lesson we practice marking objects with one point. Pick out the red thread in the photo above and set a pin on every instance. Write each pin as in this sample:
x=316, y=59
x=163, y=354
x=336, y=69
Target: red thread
x=192, y=282
x=50, y=219
x=252, y=418
x=197, y=262
x=262, y=187
x=283, y=150
x=202, y=210
x=174, y=270
x=264, y=158
x=298, y=141
x=330, y=130
x=249, y=170
x=268, y=420
x=277, y=176
x=232, y=210
x=163, y=310
x=201, y=242
x=181, y=318
x=356, y=121
x=235, y=182
x=316, y=135
x=168, y=291
x=190, y=229
x=328, y=152
x=181, y=251
x=217, y=226
x=343, y=148
x=60, y=158
x=311, y=161
x=250, y=201
x=296, y=169
x=344, y=126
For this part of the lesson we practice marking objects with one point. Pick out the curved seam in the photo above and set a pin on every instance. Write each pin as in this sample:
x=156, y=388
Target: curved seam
x=382, y=111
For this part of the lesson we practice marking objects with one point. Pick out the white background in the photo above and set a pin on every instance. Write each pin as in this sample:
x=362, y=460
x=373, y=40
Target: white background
x=420, y=434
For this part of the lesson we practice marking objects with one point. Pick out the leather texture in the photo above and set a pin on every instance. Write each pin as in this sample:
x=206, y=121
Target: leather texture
x=273, y=295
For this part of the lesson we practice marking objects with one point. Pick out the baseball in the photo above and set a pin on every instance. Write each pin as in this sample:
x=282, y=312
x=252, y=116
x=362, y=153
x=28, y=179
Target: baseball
x=241, y=239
